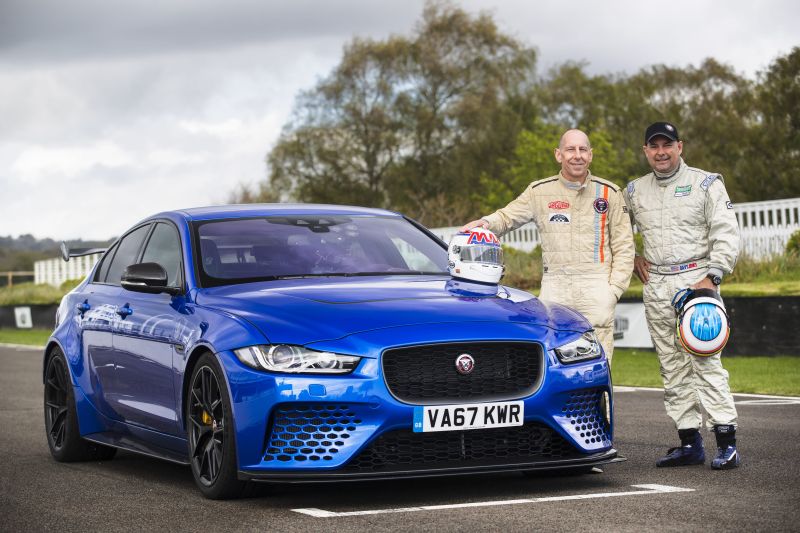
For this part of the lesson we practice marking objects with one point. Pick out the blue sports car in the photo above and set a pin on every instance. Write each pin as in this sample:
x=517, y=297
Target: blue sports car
x=316, y=343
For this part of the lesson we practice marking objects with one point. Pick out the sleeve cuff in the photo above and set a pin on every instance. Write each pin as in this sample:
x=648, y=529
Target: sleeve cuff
x=716, y=271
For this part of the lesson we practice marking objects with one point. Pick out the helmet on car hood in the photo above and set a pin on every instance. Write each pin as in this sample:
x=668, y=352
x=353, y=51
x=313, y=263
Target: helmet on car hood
x=476, y=255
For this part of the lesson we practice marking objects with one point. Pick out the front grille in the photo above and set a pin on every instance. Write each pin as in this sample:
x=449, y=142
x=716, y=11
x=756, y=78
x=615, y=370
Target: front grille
x=479, y=447
x=584, y=410
x=427, y=374
x=310, y=432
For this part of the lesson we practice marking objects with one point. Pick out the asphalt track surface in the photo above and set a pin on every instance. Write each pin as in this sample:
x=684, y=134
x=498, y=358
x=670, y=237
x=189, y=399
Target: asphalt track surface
x=136, y=493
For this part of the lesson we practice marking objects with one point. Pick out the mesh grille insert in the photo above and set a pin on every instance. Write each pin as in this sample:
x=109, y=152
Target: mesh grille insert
x=584, y=410
x=310, y=432
x=425, y=374
x=481, y=447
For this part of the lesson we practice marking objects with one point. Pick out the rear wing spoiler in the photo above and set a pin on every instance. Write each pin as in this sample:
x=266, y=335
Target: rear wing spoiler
x=66, y=252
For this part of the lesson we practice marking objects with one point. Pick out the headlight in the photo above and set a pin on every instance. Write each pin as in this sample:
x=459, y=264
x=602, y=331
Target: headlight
x=586, y=347
x=295, y=359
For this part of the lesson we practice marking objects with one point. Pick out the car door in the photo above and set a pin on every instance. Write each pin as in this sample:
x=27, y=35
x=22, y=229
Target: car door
x=145, y=344
x=98, y=312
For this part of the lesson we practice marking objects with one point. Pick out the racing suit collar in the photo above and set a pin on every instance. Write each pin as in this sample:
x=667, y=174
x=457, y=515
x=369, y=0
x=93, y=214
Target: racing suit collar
x=572, y=185
x=666, y=179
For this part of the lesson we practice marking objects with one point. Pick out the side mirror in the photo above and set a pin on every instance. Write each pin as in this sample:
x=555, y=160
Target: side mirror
x=147, y=277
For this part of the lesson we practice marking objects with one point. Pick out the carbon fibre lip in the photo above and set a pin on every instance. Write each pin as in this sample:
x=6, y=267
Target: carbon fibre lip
x=609, y=456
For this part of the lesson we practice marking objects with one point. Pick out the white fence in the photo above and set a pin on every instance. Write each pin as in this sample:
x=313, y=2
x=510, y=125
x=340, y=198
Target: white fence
x=765, y=228
x=57, y=271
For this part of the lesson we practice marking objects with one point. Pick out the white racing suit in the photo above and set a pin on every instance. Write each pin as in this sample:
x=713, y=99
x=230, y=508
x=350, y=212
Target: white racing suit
x=587, y=245
x=689, y=230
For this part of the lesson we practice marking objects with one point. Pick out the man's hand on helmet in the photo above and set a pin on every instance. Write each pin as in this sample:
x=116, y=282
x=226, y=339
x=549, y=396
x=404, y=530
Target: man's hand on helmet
x=705, y=283
x=474, y=224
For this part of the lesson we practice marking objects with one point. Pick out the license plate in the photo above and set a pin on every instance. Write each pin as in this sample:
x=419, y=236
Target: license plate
x=468, y=416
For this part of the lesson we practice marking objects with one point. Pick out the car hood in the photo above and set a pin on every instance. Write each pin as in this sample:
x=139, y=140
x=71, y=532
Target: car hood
x=302, y=311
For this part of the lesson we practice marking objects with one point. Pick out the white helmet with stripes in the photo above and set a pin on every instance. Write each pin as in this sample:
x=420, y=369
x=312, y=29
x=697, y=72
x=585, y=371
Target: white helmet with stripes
x=476, y=255
x=703, y=326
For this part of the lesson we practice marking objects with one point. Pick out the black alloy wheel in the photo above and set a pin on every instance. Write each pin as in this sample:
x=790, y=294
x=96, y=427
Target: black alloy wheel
x=207, y=435
x=61, y=418
x=55, y=402
x=212, y=450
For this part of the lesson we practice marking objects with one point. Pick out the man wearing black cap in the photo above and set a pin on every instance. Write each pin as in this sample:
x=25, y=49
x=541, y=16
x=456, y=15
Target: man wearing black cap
x=691, y=239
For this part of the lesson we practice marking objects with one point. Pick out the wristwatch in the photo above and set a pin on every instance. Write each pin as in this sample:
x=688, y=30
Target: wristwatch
x=716, y=280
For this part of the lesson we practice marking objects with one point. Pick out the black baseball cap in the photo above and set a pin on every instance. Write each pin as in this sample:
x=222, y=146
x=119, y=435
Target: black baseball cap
x=665, y=129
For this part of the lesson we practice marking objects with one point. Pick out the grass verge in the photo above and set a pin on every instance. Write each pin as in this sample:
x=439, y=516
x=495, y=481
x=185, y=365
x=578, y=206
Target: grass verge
x=30, y=294
x=735, y=289
x=778, y=375
x=32, y=337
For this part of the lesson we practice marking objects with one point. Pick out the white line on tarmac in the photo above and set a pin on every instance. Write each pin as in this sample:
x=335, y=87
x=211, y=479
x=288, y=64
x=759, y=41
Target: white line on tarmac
x=21, y=346
x=785, y=399
x=771, y=401
x=647, y=489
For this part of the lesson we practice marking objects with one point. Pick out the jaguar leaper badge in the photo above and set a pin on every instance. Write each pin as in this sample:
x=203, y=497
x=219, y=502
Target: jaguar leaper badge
x=465, y=364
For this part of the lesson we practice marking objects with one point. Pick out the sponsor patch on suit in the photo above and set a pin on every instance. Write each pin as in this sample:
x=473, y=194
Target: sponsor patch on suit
x=559, y=218
x=683, y=190
x=558, y=204
x=601, y=205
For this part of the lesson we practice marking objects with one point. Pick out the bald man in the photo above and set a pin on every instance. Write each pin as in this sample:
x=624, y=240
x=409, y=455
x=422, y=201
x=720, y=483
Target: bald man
x=587, y=243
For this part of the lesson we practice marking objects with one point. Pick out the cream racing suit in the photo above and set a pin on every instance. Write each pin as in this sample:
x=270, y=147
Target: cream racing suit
x=587, y=245
x=689, y=230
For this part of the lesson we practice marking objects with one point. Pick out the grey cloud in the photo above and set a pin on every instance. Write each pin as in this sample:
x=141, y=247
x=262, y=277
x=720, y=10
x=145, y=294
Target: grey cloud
x=51, y=30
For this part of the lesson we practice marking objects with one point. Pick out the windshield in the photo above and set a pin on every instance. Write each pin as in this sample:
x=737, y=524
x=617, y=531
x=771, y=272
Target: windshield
x=244, y=250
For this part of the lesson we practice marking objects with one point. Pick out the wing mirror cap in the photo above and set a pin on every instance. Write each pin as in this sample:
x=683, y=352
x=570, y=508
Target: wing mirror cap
x=147, y=277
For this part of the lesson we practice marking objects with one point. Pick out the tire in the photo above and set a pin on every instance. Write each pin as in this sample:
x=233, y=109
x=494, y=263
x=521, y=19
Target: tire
x=210, y=433
x=61, y=417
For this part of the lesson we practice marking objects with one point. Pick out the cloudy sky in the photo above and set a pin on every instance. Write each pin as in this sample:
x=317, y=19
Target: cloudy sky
x=114, y=110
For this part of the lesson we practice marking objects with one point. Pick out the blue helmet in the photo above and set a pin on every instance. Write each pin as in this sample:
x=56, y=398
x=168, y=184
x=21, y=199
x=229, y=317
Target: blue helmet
x=703, y=326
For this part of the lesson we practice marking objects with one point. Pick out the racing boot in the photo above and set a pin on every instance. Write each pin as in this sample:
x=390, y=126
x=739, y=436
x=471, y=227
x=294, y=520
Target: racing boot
x=690, y=452
x=727, y=455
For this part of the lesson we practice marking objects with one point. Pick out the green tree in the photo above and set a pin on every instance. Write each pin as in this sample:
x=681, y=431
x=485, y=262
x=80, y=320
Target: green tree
x=711, y=104
x=533, y=160
x=345, y=133
x=772, y=161
x=409, y=123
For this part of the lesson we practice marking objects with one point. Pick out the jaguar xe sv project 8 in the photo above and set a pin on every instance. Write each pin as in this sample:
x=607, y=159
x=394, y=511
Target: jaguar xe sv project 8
x=298, y=343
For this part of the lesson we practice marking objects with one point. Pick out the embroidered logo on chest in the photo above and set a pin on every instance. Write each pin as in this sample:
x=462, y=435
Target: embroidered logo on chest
x=684, y=190
x=559, y=218
x=601, y=205
x=558, y=204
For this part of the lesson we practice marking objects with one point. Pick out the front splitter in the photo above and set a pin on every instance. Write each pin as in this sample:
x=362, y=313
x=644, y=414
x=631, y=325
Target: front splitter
x=609, y=456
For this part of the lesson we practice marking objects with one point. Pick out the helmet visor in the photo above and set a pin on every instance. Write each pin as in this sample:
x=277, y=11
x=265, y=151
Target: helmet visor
x=482, y=254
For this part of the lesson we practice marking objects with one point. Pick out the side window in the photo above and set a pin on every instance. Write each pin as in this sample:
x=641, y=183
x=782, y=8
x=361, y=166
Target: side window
x=127, y=250
x=164, y=248
x=102, y=272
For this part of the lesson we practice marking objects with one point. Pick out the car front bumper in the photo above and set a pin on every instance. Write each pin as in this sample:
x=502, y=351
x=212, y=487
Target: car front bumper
x=316, y=428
